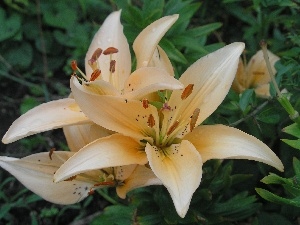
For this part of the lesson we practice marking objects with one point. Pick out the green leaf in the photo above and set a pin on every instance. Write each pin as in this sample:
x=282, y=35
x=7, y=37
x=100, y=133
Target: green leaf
x=293, y=129
x=277, y=199
x=269, y=116
x=115, y=215
x=9, y=26
x=59, y=15
x=246, y=99
x=296, y=166
x=293, y=143
x=275, y=179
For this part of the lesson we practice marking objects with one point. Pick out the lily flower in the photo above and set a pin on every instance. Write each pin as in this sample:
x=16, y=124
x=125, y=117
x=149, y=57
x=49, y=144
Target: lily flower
x=167, y=133
x=255, y=75
x=36, y=173
x=108, y=66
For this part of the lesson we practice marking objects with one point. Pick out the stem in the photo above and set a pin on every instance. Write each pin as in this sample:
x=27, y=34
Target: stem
x=283, y=100
x=249, y=115
x=106, y=197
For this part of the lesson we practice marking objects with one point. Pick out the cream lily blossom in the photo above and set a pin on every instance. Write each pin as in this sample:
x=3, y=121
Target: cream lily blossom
x=168, y=134
x=255, y=74
x=110, y=80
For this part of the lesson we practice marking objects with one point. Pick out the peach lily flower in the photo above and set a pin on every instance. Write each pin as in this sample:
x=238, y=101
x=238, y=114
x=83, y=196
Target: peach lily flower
x=168, y=135
x=255, y=75
x=154, y=72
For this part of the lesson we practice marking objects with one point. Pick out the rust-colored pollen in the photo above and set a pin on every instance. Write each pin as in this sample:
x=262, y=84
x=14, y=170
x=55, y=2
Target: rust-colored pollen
x=74, y=65
x=96, y=55
x=51, y=152
x=112, y=66
x=194, y=119
x=71, y=178
x=105, y=183
x=151, y=121
x=110, y=50
x=187, y=91
x=95, y=75
x=145, y=103
x=173, y=127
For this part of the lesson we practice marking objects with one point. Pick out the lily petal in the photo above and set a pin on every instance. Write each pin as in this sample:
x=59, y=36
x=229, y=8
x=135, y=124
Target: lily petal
x=161, y=60
x=141, y=177
x=111, y=35
x=78, y=136
x=36, y=173
x=212, y=76
x=180, y=171
x=147, y=80
x=115, y=150
x=222, y=142
x=145, y=43
x=47, y=116
x=108, y=111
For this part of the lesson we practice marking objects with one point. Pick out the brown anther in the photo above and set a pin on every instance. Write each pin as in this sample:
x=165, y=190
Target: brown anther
x=51, y=152
x=96, y=55
x=95, y=75
x=151, y=121
x=112, y=66
x=74, y=65
x=187, y=91
x=105, y=183
x=110, y=50
x=194, y=119
x=145, y=103
x=173, y=127
x=91, y=192
x=71, y=178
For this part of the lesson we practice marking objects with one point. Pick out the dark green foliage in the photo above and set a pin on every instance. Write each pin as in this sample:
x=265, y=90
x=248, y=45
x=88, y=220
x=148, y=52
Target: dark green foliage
x=38, y=39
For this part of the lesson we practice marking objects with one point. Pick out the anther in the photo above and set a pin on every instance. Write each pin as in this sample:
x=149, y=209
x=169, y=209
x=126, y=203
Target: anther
x=194, y=119
x=71, y=178
x=187, y=91
x=145, y=103
x=151, y=121
x=95, y=75
x=51, y=152
x=96, y=55
x=112, y=66
x=110, y=50
x=74, y=65
x=173, y=127
x=106, y=183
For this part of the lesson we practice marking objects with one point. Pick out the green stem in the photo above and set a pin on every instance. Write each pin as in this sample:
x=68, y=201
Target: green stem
x=106, y=197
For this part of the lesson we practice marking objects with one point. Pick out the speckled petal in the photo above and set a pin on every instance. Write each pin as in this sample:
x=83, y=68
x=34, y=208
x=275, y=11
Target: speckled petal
x=36, y=173
x=180, y=170
x=112, y=151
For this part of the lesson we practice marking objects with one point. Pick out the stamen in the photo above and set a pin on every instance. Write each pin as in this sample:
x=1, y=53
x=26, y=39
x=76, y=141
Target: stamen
x=187, y=91
x=173, y=127
x=95, y=75
x=112, y=66
x=145, y=103
x=75, y=68
x=151, y=121
x=110, y=50
x=194, y=119
x=51, y=152
x=71, y=178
